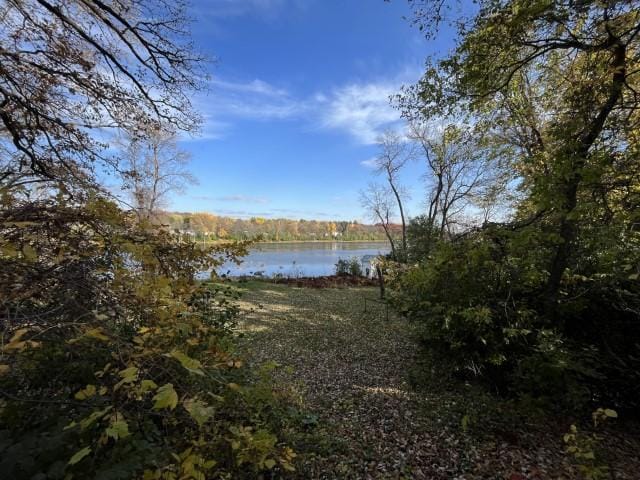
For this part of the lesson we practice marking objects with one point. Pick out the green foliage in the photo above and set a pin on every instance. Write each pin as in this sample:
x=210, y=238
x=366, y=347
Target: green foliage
x=544, y=306
x=583, y=447
x=482, y=305
x=349, y=267
x=116, y=363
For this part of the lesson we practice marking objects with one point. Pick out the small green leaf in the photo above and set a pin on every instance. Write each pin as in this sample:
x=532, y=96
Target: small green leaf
x=610, y=413
x=165, y=398
x=128, y=375
x=79, y=455
x=147, y=385
x=190, y=364
x=95, y=416
x=270, y=463
x=198, y=410
x=118, y=428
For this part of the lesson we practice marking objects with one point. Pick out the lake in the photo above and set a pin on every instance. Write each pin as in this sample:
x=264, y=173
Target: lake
x=308, y=259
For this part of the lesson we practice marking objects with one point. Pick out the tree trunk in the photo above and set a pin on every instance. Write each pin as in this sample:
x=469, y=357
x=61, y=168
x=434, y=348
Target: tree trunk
x=578, y=157
x=404, y=225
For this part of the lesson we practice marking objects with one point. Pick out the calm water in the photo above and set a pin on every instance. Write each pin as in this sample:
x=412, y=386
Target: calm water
x=310, y=259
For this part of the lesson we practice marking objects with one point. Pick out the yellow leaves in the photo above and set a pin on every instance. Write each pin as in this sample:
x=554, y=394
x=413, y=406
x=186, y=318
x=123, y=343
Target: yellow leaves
x=192, y=465
x=286, y=459
x=16, y=344
x=97, y=333
x=4, y=369
x=234, y=386
x=147, y=386
x=198, y=410
x=165, y=398
x=79, y=455
x=128, y=375
x=29, y=253
x=603, y=414
x=88, y=392
x=9, y=250
x=190, y=364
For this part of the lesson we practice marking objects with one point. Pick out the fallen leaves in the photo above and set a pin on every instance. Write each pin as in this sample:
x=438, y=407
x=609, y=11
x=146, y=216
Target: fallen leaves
x=352, y=369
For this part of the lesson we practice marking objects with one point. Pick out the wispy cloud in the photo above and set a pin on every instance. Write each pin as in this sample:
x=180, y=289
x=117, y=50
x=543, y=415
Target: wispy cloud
x=292, y=212
x=362, y=110
x=243, y=198
x=232, y=198
x=229, y=101
x=255, y=86
x=369, y=163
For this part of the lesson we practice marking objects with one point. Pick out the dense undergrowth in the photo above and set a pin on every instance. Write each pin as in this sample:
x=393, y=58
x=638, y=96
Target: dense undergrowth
x=482, y=304
x=114, y=363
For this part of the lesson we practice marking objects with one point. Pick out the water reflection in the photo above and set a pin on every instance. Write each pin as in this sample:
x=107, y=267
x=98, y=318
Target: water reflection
x=311, y=259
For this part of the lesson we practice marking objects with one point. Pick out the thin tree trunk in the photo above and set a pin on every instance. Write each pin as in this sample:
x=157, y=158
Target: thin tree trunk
x=404, y=225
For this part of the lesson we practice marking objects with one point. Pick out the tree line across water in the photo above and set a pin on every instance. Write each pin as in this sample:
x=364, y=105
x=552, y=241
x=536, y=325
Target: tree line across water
x=209, y=227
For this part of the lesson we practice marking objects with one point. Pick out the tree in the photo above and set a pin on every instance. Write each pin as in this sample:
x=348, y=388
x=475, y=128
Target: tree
x=394, y=154
x=72, y=68
x=106, y=329
x=552, y=88
x=459, y=174
x=376, y=200
x=155, y=167
x=583, y=57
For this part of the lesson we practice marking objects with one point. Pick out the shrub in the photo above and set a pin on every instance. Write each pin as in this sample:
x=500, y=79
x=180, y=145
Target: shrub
x=349, y=267
x=115, y=363
x=481, y=304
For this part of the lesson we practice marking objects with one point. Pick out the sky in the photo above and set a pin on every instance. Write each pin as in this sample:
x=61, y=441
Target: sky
x=298, y=94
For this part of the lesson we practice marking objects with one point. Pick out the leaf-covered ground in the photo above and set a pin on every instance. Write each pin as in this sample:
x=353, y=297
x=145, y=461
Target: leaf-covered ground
x=365, y=418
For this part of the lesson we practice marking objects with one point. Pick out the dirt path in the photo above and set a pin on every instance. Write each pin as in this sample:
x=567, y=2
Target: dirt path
x=352, y=370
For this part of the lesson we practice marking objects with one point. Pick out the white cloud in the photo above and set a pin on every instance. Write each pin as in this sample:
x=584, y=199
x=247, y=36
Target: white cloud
x=232, y=198
x=369, y=163
x=227, y=101
x=362, y=110
x=256, y=86
x=243, y=198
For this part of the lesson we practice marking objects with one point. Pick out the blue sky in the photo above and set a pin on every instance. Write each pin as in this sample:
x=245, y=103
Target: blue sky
x=298, y=92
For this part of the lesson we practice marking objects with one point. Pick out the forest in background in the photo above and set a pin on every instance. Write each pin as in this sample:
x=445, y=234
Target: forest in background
x=209, y=227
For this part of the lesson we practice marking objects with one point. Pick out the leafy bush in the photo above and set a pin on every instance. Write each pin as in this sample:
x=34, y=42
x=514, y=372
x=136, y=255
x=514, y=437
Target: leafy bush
x=483, y=307
x=349, y=267
x=115, y=364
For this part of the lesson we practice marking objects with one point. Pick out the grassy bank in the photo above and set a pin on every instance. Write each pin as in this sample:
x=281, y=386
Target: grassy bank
x=372, y=411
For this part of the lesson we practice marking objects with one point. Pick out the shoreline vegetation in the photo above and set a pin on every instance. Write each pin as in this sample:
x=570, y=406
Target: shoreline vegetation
x=208, y=227
x=276, y=242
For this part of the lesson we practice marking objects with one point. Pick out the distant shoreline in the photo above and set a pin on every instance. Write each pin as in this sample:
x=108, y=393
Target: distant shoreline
x=296, y=241
x=324, y=241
